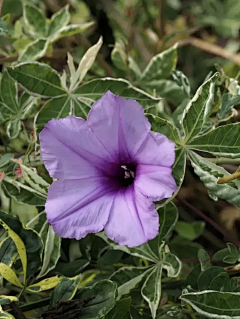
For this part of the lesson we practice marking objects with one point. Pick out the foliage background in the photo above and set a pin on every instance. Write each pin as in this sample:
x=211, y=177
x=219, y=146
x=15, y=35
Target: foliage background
x=158, y=52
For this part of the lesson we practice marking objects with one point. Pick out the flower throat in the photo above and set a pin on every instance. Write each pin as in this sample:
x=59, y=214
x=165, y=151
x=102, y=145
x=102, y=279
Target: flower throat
x=127, y=174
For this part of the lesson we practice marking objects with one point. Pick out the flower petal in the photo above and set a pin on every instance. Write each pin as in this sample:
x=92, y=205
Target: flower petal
x=119, y=124
x=154, y=181
x=78, y=207
x=133, y=219
x=157, y=149
x=70, y=150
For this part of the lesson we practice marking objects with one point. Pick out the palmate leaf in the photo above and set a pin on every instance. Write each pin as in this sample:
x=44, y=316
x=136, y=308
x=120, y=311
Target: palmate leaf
x=143, y=251
x=223, y=141
x=79, y=102
x=214, y=304
x=199, y=109
x=209, y=174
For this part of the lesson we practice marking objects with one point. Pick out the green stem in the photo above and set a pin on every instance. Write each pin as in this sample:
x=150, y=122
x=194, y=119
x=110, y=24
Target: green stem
x=34, y=305
x=223, y=160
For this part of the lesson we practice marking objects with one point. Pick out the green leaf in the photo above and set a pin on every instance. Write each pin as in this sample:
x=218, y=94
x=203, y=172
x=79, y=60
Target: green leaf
x=228, y=102
x=223, y=141
x=28, y=105
x=164, y=127
x=192, y=278
x=178, y=114
x=206, y=277
x=65, y=290
x=34, y=21
x=5, y=160
x=54, y=108
x=129, y=278
x=8, y=251
x=190, y=231
x=151, y=289
x=172, y=264
x=52, y=252
x=182, y=81
x=22, y=193
x=34, y=51
x=13, y=128
x=214, y=304
x=58, y=21
x=37, y=78
x=204, y=259
x=120, y=310
x=199, y=109
x=8, y=274
x=91, y=91
x=72, y=268
x=5, y=315
x=85, y=64
x=72, y=29
x=209, y=174
x=179, y=166
x=119, y=56
x=9, y=95
x=160, y=66
x=168, y=216
x=221, y=282
x=44, y=284
x=31, y=240
x=5, y=300
x=104, y=293
x=20, y=248
x=3, y=28
x=143, y=251
x=34, y=180
x=168, y=90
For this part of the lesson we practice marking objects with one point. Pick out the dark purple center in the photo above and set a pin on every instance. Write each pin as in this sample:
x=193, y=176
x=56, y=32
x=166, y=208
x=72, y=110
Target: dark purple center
x=126, y=174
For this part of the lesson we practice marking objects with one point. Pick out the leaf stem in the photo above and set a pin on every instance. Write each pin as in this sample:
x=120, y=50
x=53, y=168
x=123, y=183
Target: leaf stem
x=209, y=220
x=228, y=178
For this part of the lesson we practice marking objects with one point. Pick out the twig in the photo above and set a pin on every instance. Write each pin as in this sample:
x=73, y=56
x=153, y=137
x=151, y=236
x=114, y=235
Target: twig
x=160, y=21
x=223, y=160
x=211, y=48
x=215, y=241
x=209, y=220
x=17, y=312
x=1, y=2
x=86, y=43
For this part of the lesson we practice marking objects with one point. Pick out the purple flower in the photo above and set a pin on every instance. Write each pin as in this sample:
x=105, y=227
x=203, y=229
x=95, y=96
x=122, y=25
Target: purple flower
x=110, y=169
